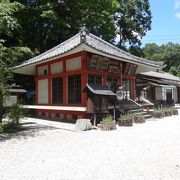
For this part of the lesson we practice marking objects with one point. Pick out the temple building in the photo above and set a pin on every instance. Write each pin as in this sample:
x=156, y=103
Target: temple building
x=85, y=75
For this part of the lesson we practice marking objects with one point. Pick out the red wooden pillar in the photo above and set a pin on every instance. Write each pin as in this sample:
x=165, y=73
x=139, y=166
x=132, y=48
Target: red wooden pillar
x=49, y=84
x=36, y=86
x=84, y=77
x=105, y=80
x=133, y=88
x=64, y=84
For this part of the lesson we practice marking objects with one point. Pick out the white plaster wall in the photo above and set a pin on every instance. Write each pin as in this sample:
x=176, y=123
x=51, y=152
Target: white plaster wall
x=73, y=64
x=43, y=91
x=57, y=67
x=175, y=95
x=41, y=70
x=158, y=93
x=9, y=101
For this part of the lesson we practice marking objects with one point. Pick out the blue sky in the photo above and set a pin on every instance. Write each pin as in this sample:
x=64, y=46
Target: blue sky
x=165, y=25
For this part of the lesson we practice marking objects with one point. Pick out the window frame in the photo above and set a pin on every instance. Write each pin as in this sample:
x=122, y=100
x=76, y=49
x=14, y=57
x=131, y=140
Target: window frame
x=58, y=91
x=74, y=97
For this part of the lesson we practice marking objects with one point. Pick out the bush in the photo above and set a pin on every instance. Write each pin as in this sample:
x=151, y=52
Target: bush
x=16, y=112
x=10, y=127
x=1, y=129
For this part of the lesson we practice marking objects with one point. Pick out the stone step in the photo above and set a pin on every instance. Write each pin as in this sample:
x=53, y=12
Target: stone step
x=147, y=116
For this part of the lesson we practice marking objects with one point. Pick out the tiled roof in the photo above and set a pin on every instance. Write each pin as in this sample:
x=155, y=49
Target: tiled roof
x=160, y=75
x=17, y=90
x=99, y=90
x=103, y=46
x=62, y=48
x=92, y=41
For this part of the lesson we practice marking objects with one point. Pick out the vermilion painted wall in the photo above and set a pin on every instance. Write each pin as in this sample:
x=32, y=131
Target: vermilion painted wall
x=84, y=75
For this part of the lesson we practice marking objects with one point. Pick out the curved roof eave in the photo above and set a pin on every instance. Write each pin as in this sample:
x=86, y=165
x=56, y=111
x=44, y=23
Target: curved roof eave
x=95, y=43
x=121, y=58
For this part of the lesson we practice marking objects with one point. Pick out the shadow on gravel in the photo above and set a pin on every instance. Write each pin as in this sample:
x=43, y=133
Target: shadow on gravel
x=28, y=130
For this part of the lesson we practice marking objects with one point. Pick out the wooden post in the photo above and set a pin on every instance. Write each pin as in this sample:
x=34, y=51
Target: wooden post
x=94, y=119
x=95, y=116
x=84, y=76
x=64, y=84
x=49, y=84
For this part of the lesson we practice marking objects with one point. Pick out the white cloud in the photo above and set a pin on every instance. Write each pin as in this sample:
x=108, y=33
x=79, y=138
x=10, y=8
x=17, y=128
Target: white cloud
x=177, y=4
x=177, y=15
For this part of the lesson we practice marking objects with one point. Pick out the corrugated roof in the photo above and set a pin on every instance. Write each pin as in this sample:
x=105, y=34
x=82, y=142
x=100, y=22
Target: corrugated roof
x=99, y=90
x=86, y=38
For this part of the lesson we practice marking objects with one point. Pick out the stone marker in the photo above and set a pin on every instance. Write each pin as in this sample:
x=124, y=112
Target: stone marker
x=83, y=125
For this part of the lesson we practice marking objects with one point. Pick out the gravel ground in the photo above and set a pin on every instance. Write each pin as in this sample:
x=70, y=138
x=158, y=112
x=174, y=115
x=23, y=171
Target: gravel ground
x=146, y=151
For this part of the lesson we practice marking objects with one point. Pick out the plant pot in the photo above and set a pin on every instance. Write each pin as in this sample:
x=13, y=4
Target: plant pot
x=175, y=112
x=158, y=115
x=107, y=125
x=139, y=119
x=127, y=122
x=167, y=113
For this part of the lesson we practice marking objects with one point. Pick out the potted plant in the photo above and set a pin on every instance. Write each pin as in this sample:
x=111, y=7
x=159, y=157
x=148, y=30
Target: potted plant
x=138, y=118
x=158, y=113
x=174, y=111
x=107, y=123
x=167, y=112
x=125, y=120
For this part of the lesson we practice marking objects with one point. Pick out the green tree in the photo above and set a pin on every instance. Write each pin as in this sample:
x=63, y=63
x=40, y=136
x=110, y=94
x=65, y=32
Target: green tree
x=169, y=53
x=10, y=51
x=151, y=51
x=133, y=20
x=47, y=23
x=5, y=75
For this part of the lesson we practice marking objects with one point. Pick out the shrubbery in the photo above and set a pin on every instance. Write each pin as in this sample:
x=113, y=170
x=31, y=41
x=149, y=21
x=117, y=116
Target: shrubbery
x=15, y=113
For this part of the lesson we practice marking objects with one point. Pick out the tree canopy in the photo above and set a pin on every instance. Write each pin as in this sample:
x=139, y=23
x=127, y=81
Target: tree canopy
x=133, y=20
x=42, y=24
x=10, y=53
x=168, y=53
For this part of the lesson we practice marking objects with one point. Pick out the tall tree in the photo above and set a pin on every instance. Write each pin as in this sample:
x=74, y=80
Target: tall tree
x=5, y=75
x=10, y=52
x=47, y=23
x=133, y=20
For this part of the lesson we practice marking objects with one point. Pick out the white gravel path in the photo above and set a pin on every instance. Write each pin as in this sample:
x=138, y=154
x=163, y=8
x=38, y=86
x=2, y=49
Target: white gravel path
x=147, y=151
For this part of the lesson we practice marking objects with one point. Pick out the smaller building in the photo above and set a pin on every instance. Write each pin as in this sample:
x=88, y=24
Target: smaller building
x=158, y=87
x=14, y=97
